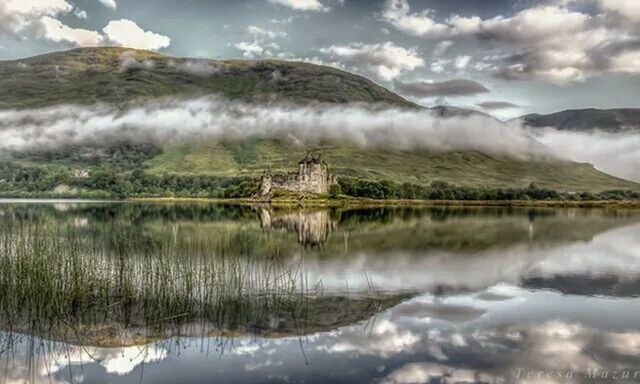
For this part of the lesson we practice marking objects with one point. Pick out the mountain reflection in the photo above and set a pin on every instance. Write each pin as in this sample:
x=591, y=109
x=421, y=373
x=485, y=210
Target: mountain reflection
x=177, y=292
x=462, y=338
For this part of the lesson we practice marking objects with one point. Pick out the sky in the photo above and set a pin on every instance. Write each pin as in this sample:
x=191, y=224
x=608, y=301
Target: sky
x=504, y=57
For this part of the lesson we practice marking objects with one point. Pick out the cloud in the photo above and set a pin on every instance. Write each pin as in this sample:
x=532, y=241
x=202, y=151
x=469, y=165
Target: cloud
x=625, y=8
x=118, y=361
x=442, y=47
x=462, y=61
x=128, y=34
x=424, y=89
x=259, y=32
x=302, y=5
x=195, y=67
x=438, y=66
x=18, y=16
x=385, y=339
x=262, y=45
x=285, y=21
x=216, y=119
x=397, y=13
x=39, y=19
x=384, y=61
x=80, y=14
x=431, y=372
x=129, y=61
x=109, y=3
x=558, y=42
x=256, y=49
x=35, y=18
x=58, y=32
x=493, y=105
x=617, y=154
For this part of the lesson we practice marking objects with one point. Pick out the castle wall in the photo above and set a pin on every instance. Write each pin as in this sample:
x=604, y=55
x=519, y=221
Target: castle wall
x=313, y=176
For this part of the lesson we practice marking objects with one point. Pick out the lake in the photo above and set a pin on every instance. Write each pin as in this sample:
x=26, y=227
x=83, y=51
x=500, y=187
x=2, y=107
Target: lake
x=132, y=292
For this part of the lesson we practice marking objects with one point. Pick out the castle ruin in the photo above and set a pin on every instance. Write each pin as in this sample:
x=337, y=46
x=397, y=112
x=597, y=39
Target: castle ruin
x=313, y=176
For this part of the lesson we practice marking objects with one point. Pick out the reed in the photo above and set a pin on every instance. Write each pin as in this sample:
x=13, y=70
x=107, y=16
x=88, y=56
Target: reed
x=59, y=282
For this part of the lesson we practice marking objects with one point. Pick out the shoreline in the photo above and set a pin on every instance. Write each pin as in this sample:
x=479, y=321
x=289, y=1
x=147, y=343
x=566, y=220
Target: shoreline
x=356, y=202
x=345, y=202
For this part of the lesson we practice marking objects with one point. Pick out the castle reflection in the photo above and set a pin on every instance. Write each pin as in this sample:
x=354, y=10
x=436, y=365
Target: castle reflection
x=313, y=227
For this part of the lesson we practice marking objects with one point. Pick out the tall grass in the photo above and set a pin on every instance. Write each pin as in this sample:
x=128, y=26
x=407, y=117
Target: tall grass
x=59, y=282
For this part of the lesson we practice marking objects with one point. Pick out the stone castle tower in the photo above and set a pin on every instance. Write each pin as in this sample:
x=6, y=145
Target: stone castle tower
x=313, y=176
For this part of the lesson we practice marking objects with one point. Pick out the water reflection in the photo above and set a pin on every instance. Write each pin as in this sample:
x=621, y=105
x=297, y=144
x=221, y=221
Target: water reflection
x=202, y=293
x=312, y=227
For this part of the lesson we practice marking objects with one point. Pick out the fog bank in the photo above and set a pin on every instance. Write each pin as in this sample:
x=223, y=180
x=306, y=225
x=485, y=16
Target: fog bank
x=216, y=119
x=211, y=119
x=615, y=153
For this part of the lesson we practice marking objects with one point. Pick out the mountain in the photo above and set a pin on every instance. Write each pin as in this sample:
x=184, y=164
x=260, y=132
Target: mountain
x=609, y=120
x=121, y=76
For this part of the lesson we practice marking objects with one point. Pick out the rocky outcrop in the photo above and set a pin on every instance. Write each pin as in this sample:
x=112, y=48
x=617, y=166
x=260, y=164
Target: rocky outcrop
x=313, y=176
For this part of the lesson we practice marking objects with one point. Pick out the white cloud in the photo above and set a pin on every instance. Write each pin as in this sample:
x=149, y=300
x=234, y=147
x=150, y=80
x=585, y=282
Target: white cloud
x=39, y=19
x=118, y=361
x=259, y=32
x=439, y=65
x=217, y=119
x=614, y=153
x=17, y=16
x=554, y=41
x=533, y=24
x=430, y=372
x=462, y=61
x=385, y=339
x=249, y=49
x=626, y=8
x=527, y=25
x=384, y=61
x=128, y=34
x=202, y=68
x=26, y=18
x=397, y=13
x=58, y=32
x=255, y=49
x=626, y=62
x=442, y=47
x=79, y=13
x=109, y=3
x=284, y=21
x=302, y=5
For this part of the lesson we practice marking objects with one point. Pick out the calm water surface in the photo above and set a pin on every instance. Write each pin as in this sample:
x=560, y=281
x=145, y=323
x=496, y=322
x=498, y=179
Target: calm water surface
x=198, y=293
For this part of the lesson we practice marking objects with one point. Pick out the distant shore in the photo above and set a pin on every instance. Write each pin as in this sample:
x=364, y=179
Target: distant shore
x=342, y=202
x=358, y=202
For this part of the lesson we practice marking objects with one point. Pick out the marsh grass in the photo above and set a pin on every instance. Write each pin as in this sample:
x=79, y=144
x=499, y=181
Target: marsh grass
x=111, y=287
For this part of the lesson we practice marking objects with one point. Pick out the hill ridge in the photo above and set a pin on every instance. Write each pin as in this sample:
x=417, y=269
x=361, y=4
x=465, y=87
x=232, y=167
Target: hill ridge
x=115, y=74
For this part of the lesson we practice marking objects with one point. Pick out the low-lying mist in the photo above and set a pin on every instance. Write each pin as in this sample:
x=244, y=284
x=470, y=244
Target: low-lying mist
x=173, y=120
x=215, y=119
x=614, y=153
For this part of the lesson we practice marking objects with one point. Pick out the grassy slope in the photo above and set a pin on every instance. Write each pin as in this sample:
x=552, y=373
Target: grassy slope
x=463, y=168
x=91, y=75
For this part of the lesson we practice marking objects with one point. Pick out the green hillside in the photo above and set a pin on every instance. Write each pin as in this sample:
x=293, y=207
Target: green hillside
x=464, y=168
x=120, y=76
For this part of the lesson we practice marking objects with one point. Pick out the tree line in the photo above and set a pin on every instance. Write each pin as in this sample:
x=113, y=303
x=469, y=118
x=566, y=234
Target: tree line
x=20, y=180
